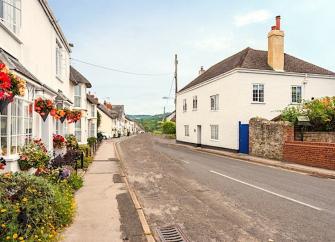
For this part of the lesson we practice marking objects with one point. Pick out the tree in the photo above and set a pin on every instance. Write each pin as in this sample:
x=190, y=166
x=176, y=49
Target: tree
x=168, y=127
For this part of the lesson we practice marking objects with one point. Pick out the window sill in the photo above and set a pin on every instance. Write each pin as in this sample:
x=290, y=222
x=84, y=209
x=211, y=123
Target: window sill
x=11, y=33
x=214, y=140
x=215, y=110
x=258, y=102
x=195, y=109
x=295, y=103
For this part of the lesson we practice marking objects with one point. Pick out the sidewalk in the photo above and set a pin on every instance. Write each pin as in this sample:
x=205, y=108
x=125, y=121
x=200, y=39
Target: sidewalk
x=98, y=217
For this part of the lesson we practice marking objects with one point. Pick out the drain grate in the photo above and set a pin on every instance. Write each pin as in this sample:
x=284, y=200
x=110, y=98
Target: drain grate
x=171, y=234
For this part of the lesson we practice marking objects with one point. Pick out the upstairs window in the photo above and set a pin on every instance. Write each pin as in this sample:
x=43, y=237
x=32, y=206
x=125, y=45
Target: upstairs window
x=77, y=96
x=93, y=111
x=10, y=14
x=215, y=102
x=195, y=103
x=184, y=105
x=59, y=59
x=258, y=93
x=296, y=94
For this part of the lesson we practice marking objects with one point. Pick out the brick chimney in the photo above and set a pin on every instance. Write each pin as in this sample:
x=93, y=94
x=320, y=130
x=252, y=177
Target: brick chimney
x=276, y=47
x=202, y=70
x=108, y=105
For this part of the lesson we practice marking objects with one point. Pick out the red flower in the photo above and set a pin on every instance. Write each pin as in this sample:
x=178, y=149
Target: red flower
x=53, y=112
x=2, y=65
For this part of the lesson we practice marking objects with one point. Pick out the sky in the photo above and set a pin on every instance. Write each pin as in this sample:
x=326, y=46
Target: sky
x=142, y=36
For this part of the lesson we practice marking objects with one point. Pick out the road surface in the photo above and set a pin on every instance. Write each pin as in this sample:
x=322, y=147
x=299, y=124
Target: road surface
x=216, y=198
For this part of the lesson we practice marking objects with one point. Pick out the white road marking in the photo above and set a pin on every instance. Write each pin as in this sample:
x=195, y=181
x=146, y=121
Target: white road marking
x=265, y=190
x=185, y=161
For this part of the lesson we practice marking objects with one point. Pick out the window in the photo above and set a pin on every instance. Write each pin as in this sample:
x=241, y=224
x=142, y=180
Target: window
x=215, y=102
x=296, y=94
x=77, y=96
x=77, y=130
x=93, y=111
x=215, y=132
x=59, y=58
x=184, y=105
x=10, y=14
x=195, y=103
x=258, y=93
x=187, y=130
x=91, y=129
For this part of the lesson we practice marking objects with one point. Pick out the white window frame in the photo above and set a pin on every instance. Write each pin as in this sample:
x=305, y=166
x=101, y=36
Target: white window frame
x=77, y=96
x=214, y=128
x=10, y=15
x=187, y=130
x=77, y=130
x=195, y=103
x=295, y=99
x=184, y=105
x=93, y=111
x=256, y=96
x=214, y=102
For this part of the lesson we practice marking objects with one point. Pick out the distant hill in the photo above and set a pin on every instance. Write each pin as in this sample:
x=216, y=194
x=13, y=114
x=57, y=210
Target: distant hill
x=149, y=122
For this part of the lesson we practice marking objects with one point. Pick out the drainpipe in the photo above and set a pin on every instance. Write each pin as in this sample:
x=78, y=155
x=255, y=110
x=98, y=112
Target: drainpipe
x=305, y=82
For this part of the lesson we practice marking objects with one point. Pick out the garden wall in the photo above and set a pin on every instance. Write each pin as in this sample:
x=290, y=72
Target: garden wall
x=328, y=137
x=310, y=153
x=267, y=138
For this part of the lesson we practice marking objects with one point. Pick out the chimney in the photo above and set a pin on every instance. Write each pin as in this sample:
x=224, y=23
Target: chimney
x=276, y=47
x=202, y=70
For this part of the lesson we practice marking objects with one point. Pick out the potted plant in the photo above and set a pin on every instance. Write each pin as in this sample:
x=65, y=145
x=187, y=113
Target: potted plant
x=66, y=112
x=10, y=86
x=71, y=142
x=58, y=113
x=59, y=144
x=73, y=116
x=43, y=107
x=33, y=155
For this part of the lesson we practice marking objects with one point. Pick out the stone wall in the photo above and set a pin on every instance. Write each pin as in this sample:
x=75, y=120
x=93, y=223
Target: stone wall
x=310, y=153
x=327, y=137
x=267, y=138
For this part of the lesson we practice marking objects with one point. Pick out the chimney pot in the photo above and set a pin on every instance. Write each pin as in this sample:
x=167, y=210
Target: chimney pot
x=202, y=70
x=273, y=27
x=278, y=22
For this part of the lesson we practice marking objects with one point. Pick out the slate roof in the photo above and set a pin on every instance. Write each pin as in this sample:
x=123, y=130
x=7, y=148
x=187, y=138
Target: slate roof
x=76, y=77
x=92, y=99
x=110, y=113
x=119, y=109
x=256, y=59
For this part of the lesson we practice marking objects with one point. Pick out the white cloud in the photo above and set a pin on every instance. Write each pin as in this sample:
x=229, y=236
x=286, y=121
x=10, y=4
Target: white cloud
x=252, y=17
x=214, y=43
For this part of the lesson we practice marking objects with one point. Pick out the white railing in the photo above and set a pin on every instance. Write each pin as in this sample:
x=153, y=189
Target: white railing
x=10, y=14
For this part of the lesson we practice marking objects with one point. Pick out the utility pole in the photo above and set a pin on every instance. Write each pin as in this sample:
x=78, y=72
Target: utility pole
x=176, y=79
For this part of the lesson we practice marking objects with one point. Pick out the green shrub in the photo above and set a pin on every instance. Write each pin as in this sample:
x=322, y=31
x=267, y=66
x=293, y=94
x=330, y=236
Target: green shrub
x=100, y=137
x=71, y=141
x=169, y=127
x=75, y=181
x=91, y=141
x=87, y=162
x=32, y=208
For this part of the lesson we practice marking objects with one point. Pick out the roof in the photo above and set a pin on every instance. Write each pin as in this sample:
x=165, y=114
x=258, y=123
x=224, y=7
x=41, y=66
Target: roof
x=119, y=109
x=92, y=99
x=110, y=113
x=257, y=60
x=76, y=77
x=61, y=97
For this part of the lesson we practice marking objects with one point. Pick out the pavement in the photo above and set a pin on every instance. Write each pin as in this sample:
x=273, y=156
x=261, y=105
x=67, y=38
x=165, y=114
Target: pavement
x=219, y=198
x=105, y=211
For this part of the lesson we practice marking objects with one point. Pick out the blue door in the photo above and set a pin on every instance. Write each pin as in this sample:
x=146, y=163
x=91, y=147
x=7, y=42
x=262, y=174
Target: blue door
x=243, y=138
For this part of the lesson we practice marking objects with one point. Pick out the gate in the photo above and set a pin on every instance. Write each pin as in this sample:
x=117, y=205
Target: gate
x=243, y=138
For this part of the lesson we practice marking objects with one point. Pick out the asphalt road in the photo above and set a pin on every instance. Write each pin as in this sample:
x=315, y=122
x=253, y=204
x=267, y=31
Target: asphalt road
x=215, y=198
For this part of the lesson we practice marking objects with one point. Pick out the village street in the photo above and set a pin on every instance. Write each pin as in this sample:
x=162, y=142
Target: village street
x=214, y=198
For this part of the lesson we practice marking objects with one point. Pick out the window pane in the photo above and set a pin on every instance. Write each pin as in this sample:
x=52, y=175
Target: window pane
x=3, y=126
x=13, y=146
x=4, y=145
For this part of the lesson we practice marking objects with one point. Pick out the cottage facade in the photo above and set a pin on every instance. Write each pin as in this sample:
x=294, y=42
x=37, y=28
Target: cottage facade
x=250, y=83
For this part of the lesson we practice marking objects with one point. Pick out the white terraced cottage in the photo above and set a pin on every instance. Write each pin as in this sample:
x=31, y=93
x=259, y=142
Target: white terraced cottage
x=215, y=108
x=33, y=46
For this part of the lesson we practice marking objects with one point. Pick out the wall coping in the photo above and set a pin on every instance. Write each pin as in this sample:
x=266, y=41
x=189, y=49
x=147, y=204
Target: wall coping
x=307, y=143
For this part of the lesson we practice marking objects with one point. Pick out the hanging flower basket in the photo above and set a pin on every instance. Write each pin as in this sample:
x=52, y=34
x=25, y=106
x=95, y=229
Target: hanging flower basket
x=43, y=107
x=58, y=113
x=10, y=86
x=73, y=116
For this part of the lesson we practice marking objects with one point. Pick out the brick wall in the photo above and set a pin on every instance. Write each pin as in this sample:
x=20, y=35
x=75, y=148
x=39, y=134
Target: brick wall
x=315, y=154
x=328, y=137
x=267, y=138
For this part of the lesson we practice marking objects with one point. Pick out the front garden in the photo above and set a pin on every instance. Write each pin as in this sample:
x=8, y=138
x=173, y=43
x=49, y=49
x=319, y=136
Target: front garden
x=38, y=202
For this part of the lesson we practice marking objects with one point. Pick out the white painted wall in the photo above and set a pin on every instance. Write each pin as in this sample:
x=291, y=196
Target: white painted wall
x=235, y=103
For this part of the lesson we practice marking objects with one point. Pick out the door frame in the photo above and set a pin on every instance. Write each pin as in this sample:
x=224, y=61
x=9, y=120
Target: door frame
x=199, y=135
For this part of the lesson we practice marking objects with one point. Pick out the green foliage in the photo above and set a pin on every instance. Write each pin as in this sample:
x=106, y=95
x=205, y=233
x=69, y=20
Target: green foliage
x=33, y=208
x=148, y=122
x=33, y=155
x=98, y=119
x=168, y=127
x=75, y=181
x=100, y=137
x=321, y=113
x=71, y=141
x=91, y=141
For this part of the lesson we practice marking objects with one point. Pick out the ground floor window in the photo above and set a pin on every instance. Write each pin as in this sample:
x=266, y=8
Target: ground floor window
x=77, y=130
x=187, y=130
x=296, y=94
x=92, y=130
x=16, y=123
x=215, y=132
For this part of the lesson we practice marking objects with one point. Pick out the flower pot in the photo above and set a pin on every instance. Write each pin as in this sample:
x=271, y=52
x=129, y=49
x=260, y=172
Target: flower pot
x=24, y=166
x=60, y=151
x=3, y=104
x=45, y=116
x=62, y=119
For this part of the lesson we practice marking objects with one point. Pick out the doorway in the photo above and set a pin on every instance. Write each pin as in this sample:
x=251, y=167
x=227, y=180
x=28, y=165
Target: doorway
x=199, y=135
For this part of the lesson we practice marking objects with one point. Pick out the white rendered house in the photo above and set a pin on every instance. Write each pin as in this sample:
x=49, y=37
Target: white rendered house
x=250, y=83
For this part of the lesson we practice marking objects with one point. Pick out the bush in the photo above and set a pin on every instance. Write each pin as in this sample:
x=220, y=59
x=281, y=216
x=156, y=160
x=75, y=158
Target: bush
x=169, y=127
x=32, y=208
x=100, y=137
x=75, y=181
x=91, y=141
